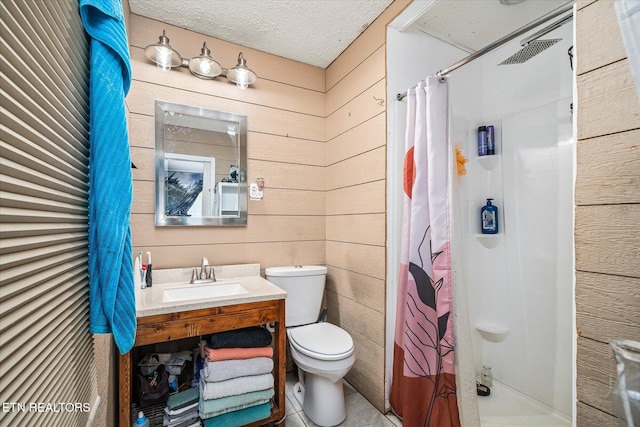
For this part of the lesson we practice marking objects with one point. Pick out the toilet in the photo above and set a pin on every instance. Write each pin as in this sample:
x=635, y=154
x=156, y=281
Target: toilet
x=323, y=352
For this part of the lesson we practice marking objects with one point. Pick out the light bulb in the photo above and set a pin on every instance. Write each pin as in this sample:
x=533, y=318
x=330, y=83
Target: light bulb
x=242, y=78
x=205, y=67
x=163, y=58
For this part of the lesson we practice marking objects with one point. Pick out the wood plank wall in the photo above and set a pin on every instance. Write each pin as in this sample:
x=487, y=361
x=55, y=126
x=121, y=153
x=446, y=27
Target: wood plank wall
x=286, y=141
x=607, y=234
x=356, y=200
x=318, y=137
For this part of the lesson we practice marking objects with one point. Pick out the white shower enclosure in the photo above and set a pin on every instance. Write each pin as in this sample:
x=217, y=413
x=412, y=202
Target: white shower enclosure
x=519, y=283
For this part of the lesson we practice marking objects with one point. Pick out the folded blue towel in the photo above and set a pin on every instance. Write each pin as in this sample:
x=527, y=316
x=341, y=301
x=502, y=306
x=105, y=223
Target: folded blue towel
x=182, y=399
x=111, y=290
x=205, y=415
x=241, y=417
x=212, y=407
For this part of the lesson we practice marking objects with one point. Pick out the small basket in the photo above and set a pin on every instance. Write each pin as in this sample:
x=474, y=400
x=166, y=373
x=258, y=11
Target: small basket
x=151, y=361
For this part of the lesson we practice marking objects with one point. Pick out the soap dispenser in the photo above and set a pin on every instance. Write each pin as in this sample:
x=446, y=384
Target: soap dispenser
x=489, y=218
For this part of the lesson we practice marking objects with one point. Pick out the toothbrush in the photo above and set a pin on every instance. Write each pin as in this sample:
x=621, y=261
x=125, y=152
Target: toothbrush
x=141, y=272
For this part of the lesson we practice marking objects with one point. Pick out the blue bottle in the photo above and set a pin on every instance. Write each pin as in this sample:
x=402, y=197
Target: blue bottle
x=489, y=218
x=142, y=421
x=482, y=141
x=491, y=140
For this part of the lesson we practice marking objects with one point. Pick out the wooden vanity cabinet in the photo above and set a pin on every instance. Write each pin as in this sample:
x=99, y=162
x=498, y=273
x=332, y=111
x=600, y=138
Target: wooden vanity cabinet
x=175, y=326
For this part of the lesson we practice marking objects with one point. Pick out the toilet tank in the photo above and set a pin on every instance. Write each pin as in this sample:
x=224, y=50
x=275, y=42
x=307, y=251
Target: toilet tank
x=305, y=289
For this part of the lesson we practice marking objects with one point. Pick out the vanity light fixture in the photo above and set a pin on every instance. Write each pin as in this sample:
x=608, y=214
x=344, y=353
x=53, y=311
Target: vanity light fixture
x=163, y=54
x=202, y=66
x=241, y=75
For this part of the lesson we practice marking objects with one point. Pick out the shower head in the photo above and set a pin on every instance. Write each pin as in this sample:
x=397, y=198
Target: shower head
x=531, y=46
x=529, y=51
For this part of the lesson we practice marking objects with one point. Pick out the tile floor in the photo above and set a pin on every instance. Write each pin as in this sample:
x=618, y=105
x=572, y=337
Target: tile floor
x=360, y=413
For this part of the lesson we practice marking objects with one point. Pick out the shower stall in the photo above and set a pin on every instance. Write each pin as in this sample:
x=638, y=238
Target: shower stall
x=518, y=284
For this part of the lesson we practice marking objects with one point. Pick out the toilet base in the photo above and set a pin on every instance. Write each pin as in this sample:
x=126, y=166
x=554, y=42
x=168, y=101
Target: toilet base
x=322, y=400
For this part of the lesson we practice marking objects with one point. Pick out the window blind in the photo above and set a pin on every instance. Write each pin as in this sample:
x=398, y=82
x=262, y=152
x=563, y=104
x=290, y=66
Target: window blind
x=47, y=370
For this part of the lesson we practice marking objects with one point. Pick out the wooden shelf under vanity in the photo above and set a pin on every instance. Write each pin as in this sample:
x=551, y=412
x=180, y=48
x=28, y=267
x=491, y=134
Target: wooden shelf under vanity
x=161, y=328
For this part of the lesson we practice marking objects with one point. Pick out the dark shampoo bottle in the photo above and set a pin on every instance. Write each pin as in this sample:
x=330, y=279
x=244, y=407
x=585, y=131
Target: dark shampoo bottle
x=489, y=218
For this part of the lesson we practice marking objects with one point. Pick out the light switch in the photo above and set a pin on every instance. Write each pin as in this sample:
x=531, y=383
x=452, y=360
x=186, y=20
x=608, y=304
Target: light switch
x=254, y=192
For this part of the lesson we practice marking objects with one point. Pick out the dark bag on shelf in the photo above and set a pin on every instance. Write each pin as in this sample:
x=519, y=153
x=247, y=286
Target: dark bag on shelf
x=154, y=388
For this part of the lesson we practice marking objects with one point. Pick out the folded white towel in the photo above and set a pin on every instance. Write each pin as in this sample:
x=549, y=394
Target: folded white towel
x=226, y=369
x=234, y=386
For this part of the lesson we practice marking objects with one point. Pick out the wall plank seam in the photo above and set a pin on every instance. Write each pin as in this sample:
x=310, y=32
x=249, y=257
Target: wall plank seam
x=621, y=132
x=355, y=66
x=585, y=73
x=355, y=97
x=360, y=124
x=354, y=185
x=355, y=155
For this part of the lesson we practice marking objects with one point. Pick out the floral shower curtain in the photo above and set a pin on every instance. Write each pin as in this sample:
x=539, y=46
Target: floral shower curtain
x=423, y=390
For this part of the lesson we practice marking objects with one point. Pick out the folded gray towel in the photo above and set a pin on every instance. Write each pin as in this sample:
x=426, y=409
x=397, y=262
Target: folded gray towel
x=227, y=369
x=235, y=386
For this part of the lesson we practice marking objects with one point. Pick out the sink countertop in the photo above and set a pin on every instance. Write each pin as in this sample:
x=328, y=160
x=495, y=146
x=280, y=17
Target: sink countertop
x=149, y=301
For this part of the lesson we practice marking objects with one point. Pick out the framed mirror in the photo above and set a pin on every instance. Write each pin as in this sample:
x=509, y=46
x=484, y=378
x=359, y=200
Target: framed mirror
x=200, y=166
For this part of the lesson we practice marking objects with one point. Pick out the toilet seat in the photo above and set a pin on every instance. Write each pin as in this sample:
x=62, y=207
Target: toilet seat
x=322, y=341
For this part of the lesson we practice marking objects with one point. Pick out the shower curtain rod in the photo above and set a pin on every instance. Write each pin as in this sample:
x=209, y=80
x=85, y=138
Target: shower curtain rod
x=531, y=25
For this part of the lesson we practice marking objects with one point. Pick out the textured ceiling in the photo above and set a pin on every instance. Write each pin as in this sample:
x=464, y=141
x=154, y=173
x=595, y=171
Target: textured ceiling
x=473, y=24
x=310, y=31
x=317, y=31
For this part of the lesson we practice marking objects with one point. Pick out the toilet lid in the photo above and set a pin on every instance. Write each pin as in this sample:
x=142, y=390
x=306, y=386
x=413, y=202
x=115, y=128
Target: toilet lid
x=322, y=340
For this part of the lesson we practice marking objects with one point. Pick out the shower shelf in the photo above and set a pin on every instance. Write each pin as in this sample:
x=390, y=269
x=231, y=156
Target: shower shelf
x=491, y=331
x=489, y=241
x=488, y=162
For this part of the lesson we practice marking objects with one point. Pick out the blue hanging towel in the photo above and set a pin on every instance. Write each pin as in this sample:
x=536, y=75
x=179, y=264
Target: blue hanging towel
x=111, y=290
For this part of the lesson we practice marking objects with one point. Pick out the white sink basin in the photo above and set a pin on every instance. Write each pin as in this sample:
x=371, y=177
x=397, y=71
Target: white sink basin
x=214, y=290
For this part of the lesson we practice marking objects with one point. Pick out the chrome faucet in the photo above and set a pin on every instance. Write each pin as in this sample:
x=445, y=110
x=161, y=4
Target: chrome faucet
x=206, y=275
x=203, y=268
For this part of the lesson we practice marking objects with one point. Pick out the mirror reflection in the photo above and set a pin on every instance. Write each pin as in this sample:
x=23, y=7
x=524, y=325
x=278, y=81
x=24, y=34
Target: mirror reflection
x=200, y=162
